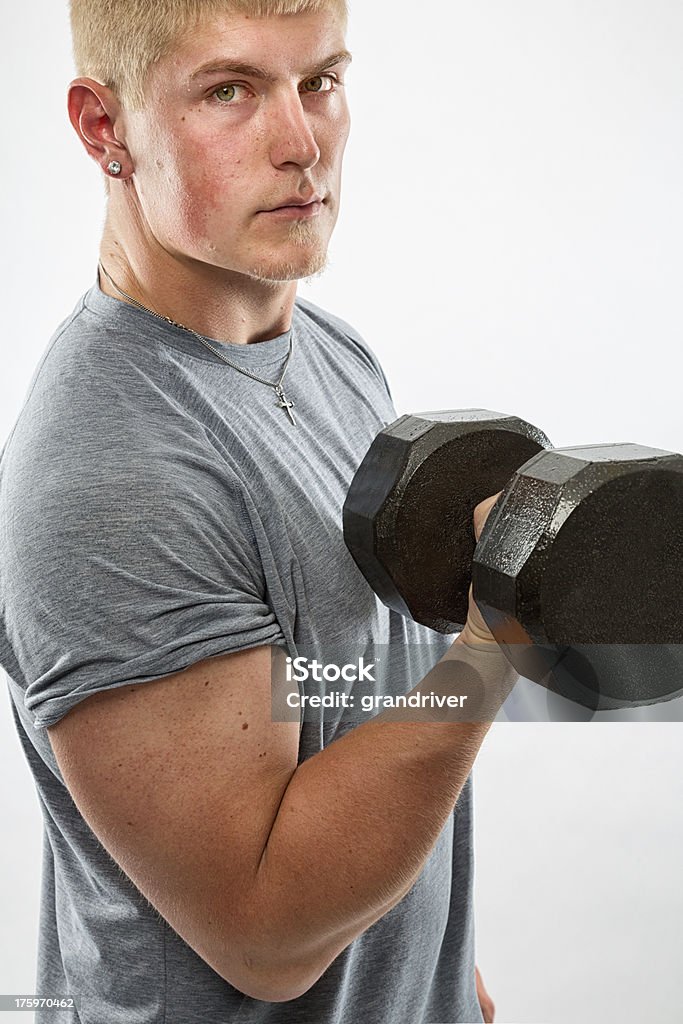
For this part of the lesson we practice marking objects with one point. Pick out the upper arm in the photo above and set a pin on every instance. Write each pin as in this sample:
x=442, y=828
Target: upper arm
x=181, y=779
x=128, y=554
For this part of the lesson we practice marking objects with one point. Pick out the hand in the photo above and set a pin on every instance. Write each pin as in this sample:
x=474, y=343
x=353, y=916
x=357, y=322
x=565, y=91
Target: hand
x=476, y=629
x=487, y=1007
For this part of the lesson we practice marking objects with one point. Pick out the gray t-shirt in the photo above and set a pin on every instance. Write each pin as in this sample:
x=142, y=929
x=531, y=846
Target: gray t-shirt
x=158, y=508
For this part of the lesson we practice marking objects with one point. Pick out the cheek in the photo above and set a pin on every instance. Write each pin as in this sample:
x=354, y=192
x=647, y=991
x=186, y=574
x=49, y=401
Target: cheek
x=199, y=189
x=337, y=134
x=218, y=178
x=165, y=187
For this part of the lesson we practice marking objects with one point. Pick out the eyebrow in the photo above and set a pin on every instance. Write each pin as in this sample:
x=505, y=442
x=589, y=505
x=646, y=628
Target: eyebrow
x=252, y=71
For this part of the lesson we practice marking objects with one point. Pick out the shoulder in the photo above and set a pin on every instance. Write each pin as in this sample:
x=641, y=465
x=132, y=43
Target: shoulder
x=333, y=324
x=341, y=331
x=96, y=383
x=101, y=431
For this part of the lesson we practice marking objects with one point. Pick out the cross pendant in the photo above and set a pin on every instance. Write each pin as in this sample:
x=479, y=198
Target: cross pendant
x=284, y=404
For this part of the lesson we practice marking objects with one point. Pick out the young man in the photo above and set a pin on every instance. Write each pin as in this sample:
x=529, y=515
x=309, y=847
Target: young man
x=170, y=506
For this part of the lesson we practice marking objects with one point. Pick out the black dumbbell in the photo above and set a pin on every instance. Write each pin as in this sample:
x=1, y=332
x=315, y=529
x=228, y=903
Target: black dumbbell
x=579, y=571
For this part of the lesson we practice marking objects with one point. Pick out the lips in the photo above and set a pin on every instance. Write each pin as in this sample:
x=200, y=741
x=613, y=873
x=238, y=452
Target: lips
x=295, y=201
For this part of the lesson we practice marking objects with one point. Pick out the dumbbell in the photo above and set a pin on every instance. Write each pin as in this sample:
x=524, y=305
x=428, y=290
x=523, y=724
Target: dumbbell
x=578, y=572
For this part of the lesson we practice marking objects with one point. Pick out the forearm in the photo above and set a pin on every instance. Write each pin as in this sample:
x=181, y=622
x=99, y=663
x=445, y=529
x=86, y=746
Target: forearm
x=358, y=820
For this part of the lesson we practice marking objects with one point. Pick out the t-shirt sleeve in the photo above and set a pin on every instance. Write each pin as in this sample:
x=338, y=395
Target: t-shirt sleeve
x=126, y=558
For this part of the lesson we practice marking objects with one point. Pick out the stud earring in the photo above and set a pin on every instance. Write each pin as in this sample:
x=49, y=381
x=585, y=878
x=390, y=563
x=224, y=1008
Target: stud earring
x=114, y=167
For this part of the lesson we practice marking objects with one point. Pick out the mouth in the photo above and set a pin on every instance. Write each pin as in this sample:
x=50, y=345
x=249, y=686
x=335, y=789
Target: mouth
x=296, y=208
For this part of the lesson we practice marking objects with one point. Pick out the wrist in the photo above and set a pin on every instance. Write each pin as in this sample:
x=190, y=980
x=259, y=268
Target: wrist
x=482, y=639
x=495, y=676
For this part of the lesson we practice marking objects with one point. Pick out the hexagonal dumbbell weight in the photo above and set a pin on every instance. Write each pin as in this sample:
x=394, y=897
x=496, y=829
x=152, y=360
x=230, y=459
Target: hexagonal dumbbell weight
x=556, y=566
x=579, y=573
x=408, y=512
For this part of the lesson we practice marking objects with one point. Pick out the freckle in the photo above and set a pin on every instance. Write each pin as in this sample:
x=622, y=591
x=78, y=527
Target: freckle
x=182, y=118
x=245, y=726
x=206, y=683
x=130, y=823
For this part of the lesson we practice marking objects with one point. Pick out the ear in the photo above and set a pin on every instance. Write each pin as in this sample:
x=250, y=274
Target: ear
x=93, y=112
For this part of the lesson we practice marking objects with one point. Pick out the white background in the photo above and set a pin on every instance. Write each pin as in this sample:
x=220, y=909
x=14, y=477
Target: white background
x=510, y=238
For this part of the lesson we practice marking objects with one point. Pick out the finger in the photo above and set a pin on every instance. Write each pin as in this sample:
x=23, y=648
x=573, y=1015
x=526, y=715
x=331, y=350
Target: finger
x=481, y=513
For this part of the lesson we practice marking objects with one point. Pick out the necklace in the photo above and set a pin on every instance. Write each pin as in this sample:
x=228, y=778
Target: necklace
x=277, y=387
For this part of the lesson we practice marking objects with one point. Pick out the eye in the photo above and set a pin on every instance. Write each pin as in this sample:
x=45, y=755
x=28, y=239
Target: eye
x=321, y=83
x=227, y=94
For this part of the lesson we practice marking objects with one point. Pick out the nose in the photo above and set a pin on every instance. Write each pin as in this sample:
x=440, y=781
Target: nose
x=293, y=139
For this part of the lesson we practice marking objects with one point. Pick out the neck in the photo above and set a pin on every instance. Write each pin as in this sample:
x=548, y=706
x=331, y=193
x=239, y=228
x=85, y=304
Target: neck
x=214, y=302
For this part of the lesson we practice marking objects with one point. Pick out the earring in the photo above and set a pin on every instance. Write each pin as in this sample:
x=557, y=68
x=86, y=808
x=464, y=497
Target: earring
x=114, y=167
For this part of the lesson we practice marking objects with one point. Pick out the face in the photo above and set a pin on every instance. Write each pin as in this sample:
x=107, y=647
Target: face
x=238, y=152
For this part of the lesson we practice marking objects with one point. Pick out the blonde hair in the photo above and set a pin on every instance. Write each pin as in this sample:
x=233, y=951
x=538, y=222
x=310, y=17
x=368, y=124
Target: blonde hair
x=116, y=41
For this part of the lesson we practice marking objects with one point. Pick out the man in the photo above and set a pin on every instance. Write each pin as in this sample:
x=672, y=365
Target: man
x=170, y=501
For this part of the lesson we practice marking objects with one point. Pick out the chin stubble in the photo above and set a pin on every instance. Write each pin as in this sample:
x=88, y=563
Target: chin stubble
x=301, y=234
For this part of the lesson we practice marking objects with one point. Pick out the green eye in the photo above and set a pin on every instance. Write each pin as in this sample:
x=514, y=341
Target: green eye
x=321, y=83
x=226, y=92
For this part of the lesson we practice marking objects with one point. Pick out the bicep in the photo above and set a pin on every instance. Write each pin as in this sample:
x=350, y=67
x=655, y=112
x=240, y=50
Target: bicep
x=181, y=779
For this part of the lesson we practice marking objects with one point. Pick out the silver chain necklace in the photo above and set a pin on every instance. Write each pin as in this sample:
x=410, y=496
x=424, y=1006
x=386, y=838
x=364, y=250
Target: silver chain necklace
x=283, y=403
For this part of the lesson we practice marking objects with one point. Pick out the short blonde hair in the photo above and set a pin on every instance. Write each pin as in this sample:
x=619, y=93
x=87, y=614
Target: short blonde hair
x=116, y=41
